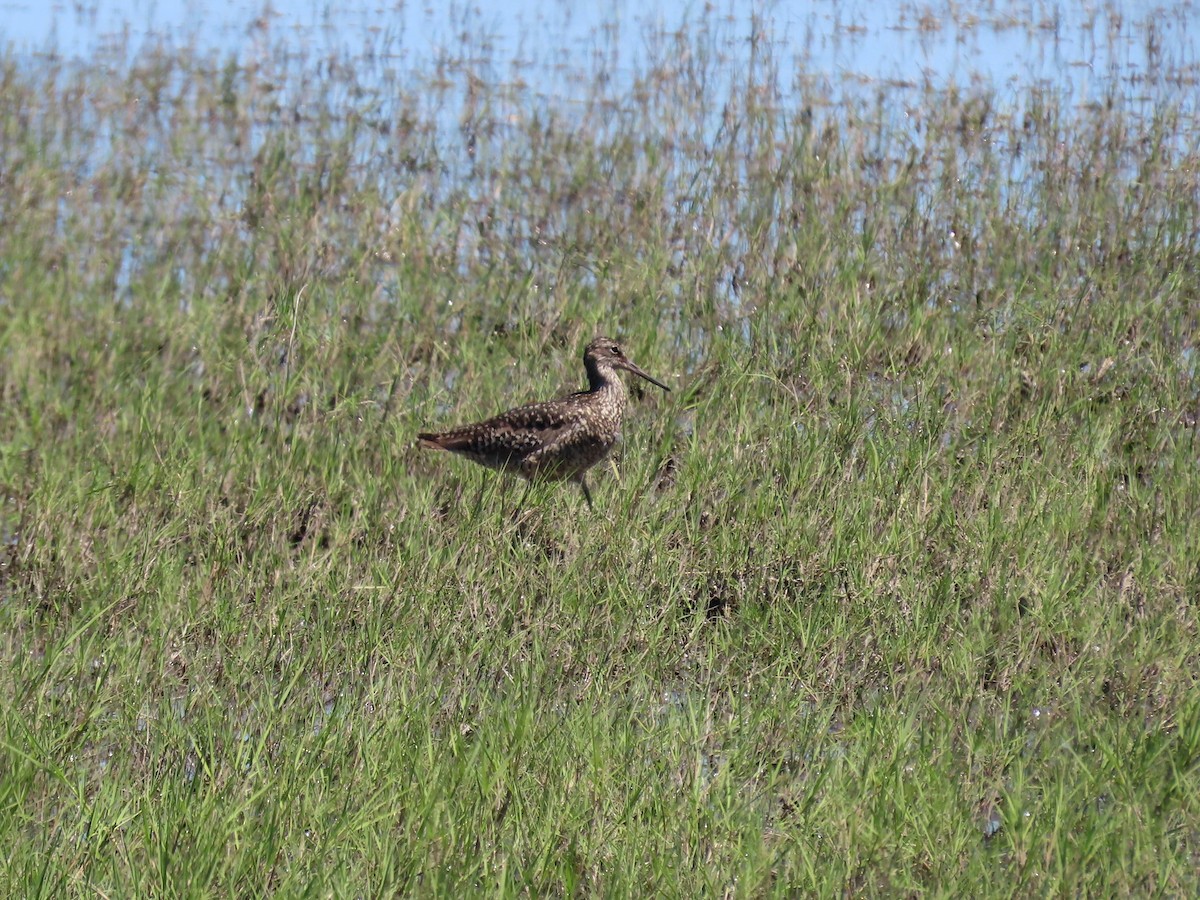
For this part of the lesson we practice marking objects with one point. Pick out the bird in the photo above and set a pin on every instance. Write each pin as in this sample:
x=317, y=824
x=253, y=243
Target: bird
x=555, y=440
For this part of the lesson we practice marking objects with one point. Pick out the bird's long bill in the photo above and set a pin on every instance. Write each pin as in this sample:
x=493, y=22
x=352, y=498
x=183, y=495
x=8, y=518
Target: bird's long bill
x=638, y=370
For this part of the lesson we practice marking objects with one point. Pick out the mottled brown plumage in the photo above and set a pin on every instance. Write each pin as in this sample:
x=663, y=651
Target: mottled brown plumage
x=555, y=440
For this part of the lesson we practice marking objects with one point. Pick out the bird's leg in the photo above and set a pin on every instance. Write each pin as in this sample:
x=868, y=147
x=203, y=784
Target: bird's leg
x=525, y=496
x=587, y=495
x=509, y=511
x=520, y=513
x=479, y=500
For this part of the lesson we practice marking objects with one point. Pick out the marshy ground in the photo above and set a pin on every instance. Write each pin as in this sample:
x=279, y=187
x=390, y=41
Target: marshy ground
x=898, y=591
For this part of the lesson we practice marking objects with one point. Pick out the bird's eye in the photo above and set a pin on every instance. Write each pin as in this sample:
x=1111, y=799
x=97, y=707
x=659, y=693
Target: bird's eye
x=616, y=351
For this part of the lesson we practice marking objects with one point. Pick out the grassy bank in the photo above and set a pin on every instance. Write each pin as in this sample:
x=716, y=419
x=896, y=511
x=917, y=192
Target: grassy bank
x=897, y=591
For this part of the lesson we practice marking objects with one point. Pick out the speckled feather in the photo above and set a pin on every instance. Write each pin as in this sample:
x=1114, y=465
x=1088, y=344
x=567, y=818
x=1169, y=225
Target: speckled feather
x=556, y=439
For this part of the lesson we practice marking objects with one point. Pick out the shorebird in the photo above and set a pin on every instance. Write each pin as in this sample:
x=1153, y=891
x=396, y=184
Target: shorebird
x=557, y=440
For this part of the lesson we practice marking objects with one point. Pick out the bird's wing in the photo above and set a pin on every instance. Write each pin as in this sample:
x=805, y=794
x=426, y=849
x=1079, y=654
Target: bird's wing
x=562, y=435
x=515, y=433
x=535, y=432
x=544, y=419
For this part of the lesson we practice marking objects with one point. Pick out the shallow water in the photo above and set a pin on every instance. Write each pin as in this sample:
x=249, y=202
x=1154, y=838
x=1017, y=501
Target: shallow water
x=1143, y=53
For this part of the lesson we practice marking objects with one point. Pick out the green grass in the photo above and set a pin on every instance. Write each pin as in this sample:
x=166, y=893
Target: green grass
x=896, y=593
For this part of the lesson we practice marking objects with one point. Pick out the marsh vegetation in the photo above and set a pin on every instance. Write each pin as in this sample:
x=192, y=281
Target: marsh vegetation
x=897, y=591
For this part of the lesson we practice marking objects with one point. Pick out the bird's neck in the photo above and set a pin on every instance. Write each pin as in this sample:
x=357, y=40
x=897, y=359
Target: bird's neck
x=604, y=379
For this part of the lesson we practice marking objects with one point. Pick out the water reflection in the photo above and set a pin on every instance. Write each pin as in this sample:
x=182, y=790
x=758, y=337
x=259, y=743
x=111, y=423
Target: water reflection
x=1085, y=52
